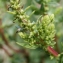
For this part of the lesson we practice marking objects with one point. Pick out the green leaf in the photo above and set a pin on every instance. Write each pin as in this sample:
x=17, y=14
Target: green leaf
x=26, y=45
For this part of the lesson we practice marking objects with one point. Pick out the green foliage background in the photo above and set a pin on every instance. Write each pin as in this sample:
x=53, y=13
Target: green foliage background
x=33, y=55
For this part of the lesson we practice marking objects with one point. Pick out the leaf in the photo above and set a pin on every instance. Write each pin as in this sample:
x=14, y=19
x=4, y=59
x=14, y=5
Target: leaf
x=26, y=45
x=58, y=11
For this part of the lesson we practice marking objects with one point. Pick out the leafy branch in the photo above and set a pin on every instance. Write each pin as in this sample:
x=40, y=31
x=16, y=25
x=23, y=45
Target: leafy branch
x=35, y=34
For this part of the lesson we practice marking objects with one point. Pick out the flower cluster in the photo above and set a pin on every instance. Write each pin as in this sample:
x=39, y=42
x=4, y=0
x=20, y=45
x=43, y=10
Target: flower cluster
x=39, y=33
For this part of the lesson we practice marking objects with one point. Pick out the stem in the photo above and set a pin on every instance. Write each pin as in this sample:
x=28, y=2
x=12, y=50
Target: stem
x=60, y=58
x=7, y=43
x=7, y=52
x=5, y=39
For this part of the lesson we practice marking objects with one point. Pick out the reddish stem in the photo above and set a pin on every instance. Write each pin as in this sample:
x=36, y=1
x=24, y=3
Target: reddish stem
x=7, y=43
x=7, y=52
x=52, y=51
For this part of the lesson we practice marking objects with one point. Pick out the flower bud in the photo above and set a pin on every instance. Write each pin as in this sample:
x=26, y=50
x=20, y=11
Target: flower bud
x=51, y=16
x=46, y=20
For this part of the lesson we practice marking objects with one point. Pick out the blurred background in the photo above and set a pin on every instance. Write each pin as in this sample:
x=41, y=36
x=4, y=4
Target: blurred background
x=10, y=52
